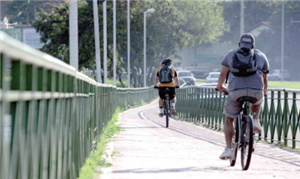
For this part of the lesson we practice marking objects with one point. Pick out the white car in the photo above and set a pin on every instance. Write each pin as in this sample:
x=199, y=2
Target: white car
x=277, y=74
x=213, y=77
x=186, y=76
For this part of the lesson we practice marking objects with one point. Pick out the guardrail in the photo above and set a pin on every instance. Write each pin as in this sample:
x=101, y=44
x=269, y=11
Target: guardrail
x=50, y=113
x=280, y=116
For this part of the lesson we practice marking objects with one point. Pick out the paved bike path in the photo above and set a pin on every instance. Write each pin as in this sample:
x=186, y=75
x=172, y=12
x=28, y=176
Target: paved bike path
x=147, y=150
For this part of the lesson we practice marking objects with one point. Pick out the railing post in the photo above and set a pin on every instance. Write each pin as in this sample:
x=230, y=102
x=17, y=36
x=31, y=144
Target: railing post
x=285, y=117
x=294, y=116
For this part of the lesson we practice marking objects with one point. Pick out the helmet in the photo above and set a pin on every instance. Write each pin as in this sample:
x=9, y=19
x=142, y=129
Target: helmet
x=167, y=62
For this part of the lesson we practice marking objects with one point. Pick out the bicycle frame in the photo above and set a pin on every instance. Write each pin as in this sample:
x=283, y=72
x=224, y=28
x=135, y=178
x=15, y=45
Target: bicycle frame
x=242, y=119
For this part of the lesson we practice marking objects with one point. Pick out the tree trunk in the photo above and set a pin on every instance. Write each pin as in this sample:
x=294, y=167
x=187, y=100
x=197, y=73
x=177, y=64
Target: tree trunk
x=27, y=18
x=120, y=79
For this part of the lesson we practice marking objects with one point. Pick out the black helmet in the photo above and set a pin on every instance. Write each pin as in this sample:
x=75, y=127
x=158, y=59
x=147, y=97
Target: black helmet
x=167, y=62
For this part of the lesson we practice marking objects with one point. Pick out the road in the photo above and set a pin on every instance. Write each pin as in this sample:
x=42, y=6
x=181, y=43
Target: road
x=146, y=149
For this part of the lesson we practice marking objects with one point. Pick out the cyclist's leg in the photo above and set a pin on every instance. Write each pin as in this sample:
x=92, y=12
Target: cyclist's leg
x=228, y=131
x=256, y=108
x=161, y=92
x=173, y=100
x=231, y=109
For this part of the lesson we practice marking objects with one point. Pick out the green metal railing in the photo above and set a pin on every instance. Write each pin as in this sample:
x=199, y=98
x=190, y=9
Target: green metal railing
x=280, y=116
x=50, y=113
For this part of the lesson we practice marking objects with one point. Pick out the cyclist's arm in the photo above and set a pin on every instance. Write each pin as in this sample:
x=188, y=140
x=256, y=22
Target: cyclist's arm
x=265, y=83
x=156, y=81
x=177, y=81
x=175, y=77
x=222, y=79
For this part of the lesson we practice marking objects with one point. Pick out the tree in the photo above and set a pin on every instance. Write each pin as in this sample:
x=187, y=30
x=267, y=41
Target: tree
x=255, y=13
x=270, y=41
x=24, y=11
x=173, y=25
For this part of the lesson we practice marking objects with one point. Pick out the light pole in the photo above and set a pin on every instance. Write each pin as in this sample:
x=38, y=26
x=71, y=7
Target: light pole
x=145, y=24
x=105, y=41
x=282, y=39
x=73, y=31
x=115, y=41
x=242, y=30
x=128, y=42
x=97, y=40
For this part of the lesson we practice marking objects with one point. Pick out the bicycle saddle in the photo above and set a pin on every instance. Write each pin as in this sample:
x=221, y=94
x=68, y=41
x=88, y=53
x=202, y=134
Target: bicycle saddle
x=167, y=90
x=247, y=98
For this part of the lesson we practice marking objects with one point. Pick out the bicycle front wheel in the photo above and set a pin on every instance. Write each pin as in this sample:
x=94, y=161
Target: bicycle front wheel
x=246, y=141
x=235, y=142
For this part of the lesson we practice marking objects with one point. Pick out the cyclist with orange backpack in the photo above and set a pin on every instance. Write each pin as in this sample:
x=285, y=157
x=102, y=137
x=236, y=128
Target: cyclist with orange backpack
x=166, y=76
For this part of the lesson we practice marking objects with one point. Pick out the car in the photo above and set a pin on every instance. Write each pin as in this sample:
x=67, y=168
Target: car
x=213, y=77
x=187, y=76
x=198, y=72
x=277, y=74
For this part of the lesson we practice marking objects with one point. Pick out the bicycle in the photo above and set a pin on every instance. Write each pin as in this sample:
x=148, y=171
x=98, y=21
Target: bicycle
x=167, y=104
x=243, y=137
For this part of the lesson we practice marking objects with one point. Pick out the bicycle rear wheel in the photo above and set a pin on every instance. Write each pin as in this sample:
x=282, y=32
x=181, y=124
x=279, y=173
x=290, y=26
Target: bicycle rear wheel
x=235, y=142
x=167, y=113
x=247, y=141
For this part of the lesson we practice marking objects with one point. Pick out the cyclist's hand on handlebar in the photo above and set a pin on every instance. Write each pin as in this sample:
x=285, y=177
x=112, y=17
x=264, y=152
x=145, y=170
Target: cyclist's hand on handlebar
x=155, y=87
x=222, y=90
x=177, y=86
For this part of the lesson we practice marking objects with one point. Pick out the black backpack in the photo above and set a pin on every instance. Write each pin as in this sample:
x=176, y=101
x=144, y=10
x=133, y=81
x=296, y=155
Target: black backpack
x=165, y=75
x=243, y=63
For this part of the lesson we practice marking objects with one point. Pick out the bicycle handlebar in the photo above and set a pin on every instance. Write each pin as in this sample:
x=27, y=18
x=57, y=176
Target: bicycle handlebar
x=221, y=92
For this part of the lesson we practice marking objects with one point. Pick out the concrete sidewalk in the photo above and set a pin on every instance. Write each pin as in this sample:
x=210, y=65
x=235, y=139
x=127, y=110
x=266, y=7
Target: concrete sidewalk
x=148, y=150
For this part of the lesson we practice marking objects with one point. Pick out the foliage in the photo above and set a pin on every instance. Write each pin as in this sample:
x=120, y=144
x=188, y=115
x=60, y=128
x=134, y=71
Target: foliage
x=270, y=41
x=23, y=11
x=173, y=25
x=255, y=13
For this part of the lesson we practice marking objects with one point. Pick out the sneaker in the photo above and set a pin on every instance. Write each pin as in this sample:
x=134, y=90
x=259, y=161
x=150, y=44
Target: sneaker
x=161, y=115
x=173, y=111
x=256, y=126
x=227, y=154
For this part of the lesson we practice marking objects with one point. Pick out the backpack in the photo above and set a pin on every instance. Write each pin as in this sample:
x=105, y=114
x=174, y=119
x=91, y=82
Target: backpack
x=243, y=63
x=165, y=75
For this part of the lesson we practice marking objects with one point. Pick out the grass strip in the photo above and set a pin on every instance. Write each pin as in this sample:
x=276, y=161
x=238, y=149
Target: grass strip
x=284, y=84
x=95, y=158
x=200, y=79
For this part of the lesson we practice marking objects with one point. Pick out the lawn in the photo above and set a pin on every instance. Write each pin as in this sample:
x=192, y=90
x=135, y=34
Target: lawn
x=118, y=84
x=284, y=84
x=200, y=79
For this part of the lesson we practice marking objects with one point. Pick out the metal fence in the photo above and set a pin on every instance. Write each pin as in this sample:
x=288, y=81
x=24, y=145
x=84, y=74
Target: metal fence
x=280, y=116
x=50, y=114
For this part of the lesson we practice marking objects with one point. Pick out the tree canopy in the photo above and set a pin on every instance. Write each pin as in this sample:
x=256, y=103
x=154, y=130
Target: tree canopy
x=173, y=25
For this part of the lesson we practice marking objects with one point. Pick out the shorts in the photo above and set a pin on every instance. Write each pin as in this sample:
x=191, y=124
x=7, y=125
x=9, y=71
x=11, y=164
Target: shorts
x=232, y=107
x=161, y=92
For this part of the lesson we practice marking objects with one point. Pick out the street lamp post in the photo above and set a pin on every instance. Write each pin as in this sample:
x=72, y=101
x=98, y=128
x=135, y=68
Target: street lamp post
x=115, y=41
x=242, y=30
x=145, y=24
x=97, y=40
x=73, y=31
x=282, y=40
x=105, y=41
x=128, y=42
